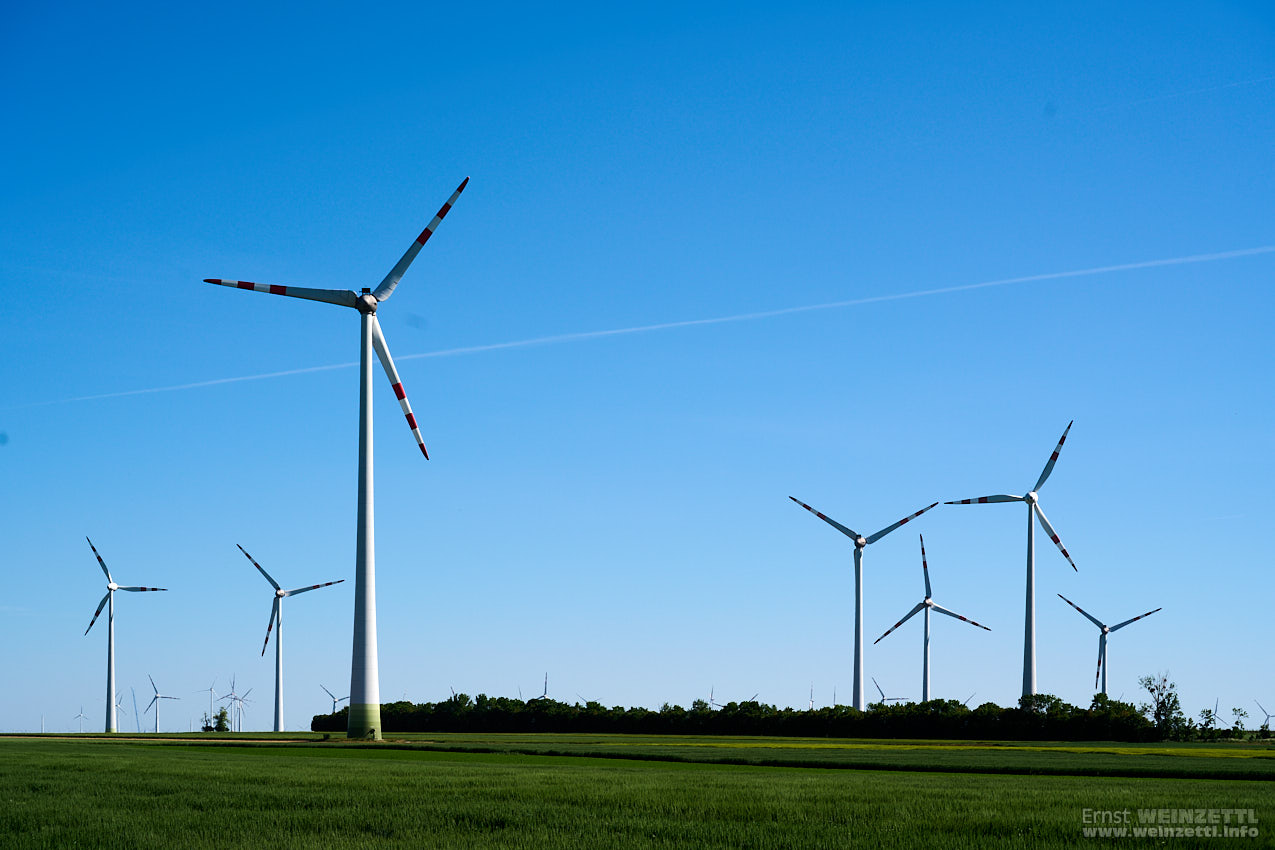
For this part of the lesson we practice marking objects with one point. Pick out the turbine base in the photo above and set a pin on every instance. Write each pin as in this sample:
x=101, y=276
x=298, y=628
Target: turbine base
x=365, y=722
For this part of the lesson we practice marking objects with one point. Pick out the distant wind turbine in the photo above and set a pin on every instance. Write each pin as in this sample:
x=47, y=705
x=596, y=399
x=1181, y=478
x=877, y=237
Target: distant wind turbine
x=1267, y=719
x=365, y=687
x=860, y=543
x=1104, y=630
x=109, y=598
x=335, y=698
x=276, y=619
x=212, y=694
x=155, y=701
x=885, y=698
x=81, y=717
x=1033, y=506
x=926, y=605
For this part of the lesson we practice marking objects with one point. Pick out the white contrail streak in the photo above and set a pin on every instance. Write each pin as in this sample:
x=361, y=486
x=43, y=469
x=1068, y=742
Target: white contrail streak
x=716, y=320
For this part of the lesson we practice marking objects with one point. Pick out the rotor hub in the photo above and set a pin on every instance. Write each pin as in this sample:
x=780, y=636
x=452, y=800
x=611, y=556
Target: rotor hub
x=279, y=593
x=860, y=542
x=1031, y=498
x=112, y=586
x=367, y=302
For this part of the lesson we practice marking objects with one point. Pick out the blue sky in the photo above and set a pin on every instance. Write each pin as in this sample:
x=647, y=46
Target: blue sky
x=613, y=510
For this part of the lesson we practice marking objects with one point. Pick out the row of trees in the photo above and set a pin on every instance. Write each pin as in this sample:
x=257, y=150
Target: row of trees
x=1039, y=717
x=1042, y=717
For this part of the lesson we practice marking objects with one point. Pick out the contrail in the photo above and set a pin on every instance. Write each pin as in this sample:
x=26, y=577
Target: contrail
x=1177, y=94
x=687, y=323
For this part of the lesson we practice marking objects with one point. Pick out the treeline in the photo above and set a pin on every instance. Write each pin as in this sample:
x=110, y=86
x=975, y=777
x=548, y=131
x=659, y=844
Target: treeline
x=1041, y=717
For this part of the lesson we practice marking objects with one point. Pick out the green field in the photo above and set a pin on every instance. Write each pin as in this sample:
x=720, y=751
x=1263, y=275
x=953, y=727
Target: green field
x=615, y=791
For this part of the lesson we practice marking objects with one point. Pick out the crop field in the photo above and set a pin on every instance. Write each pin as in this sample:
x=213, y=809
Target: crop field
x=486, y=790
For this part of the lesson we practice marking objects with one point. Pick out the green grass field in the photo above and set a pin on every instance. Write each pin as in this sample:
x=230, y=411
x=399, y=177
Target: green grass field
x=616, y=791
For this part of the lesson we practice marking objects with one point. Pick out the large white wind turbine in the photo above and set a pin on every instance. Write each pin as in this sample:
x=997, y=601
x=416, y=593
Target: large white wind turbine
x=109, y=599
x=365, y=687
x=1102, y=638
x=276, y=619
x=1033, y=506
x=155, y=700
x=860, y=542
x=926, y=605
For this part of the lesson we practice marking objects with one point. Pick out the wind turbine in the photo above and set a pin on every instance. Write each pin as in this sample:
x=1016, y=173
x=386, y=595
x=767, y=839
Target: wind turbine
x=926, y=605
x=119, y=699
x=1033, y=506
x=885, y=698
x=81, y=717
x=335, y=698
x=276, y=619
x=365, y=687
x=860, y=543
x=812, y=697
x=1102, y=638
x=544, y=694
x=109, y=598
x=212, y=694
x=137, y=715
x=1267, y=720
x=155, y=701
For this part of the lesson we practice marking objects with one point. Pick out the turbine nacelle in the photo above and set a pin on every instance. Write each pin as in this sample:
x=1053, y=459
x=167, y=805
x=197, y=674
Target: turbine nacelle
x=860, y=542
x=1031, y=498
x=112, y=586
x=367, y=302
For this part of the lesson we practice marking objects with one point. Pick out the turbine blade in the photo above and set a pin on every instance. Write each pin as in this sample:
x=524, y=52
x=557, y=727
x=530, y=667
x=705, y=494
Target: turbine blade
x=311, y=587
x=100, y=606
x=383, y=352
x=832, y=522
x=984, y=500
x=386, y=289
x=873, y=538
x=908, y=616
x=260, y=568
x=1088, y=616
x=141, y=589
x=943, y=610
x=152, y=678
x=925, y=570
x=881, y=692
x=100, y=562
x=341, y=297
x=1053, y=458
x=326, y=691
x=274, y=613
x=154, y=700
x=1098, y=672
x=1053, y=535
x=1134, y=620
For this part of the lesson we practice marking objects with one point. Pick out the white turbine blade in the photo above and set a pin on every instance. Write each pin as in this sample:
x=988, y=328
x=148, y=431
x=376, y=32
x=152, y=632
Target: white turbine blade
x=154, y=700
x=1053, y=535
x=1089, y=616
x=274, y=613
x=311, y=587
x=881, y=692
x=383, y=352
x=164, y=696
x=832, y=522
x=984, y=500
x=329, y=693
x=1098, y=672
x=260, y=568
x=873, y=538
x=152, y=678
x=386, y=289
x=100, y=562
x=1053, y=458
x=1134, y=619
x=342, y=297
x=908, y=616
x=100, y=606
x=142, y=589
x=943, y=610
x=925, y=569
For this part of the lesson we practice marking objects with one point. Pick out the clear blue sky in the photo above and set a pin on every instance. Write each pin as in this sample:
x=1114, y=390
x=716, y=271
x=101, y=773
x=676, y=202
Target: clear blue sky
x=614, y=510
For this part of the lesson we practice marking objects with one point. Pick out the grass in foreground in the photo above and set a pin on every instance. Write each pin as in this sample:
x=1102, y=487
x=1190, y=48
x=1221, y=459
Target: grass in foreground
x=93, y=794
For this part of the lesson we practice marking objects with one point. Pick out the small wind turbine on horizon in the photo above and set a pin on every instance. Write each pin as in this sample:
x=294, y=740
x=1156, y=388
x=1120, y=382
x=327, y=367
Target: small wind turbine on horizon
x=81, y=717
x=1266, y=721
x=544, y=694
x=1104, y=630
x=884, y=698
x=155, y=701
x=276, y=619
x=109, y=599
x=927, y=604
x=1032, y=499
x=860, y=543
x=365, y=688
x=212, y=694
x=336, y=699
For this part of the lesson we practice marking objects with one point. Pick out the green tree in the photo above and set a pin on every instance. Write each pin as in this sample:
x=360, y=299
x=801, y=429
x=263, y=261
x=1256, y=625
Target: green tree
x=1165, y=709
x=221, y=720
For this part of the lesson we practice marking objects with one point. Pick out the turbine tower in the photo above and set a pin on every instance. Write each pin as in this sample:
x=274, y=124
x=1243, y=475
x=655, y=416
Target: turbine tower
x=860, y=543
x=276, y=619
x=926, y=605
x=1033, y=506
x=109, y=598
x=155, y=701
x=365, y=687
x=1102, y=639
